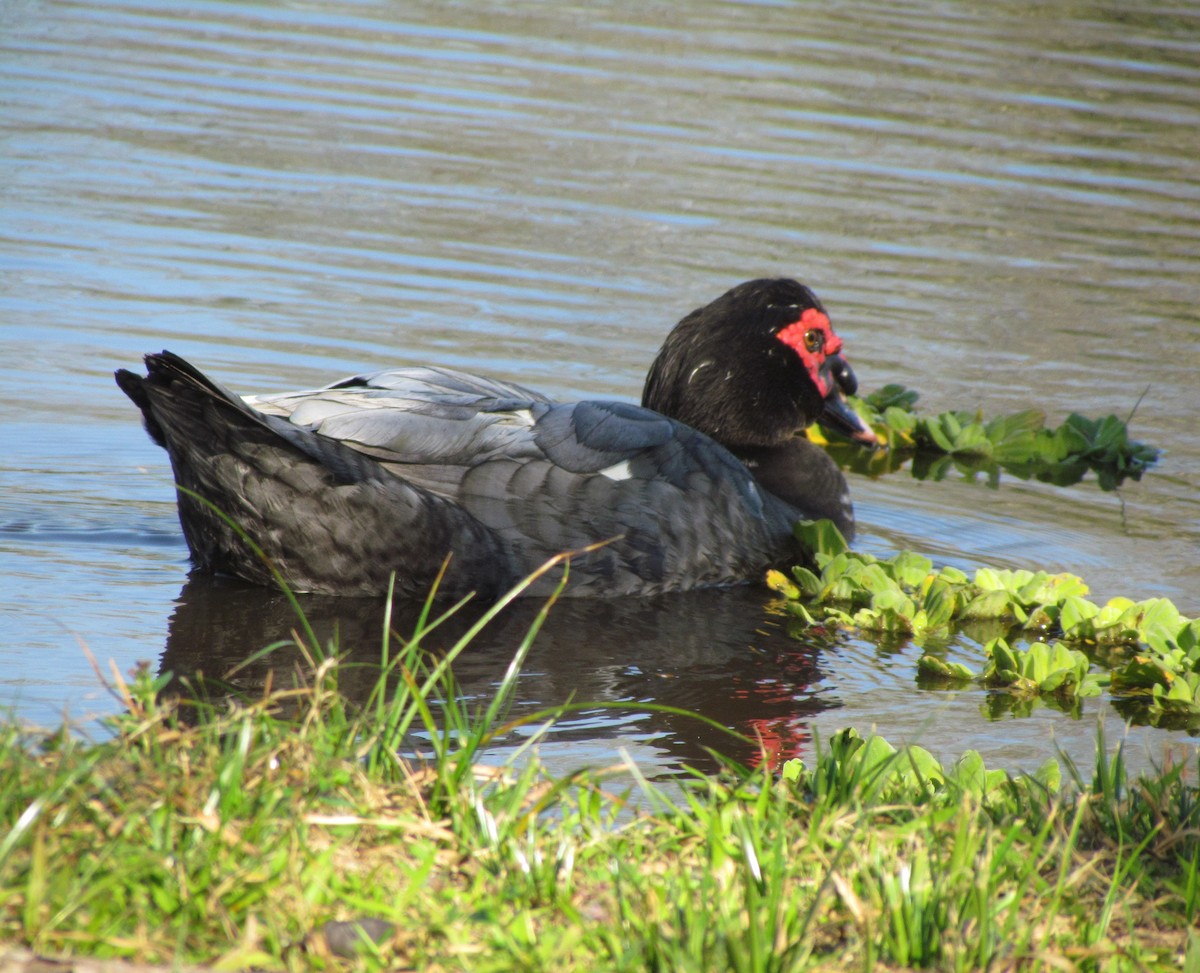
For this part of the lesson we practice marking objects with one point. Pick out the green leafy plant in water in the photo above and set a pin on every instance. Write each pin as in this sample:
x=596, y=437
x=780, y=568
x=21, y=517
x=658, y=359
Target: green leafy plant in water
x=1155, y=650
x=1041, y=668
x=1020, y=443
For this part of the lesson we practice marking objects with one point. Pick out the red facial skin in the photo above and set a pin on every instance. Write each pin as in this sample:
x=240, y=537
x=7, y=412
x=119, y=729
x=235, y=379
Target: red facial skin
x=813, y=329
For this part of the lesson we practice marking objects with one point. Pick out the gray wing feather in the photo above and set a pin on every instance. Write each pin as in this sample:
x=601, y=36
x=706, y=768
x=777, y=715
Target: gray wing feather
x=665, y=494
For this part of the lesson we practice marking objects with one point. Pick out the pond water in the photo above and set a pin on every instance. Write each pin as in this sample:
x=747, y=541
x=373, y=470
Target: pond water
x=999, y=204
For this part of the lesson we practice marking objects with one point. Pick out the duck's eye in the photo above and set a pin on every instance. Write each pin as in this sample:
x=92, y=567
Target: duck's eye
x=814, y=340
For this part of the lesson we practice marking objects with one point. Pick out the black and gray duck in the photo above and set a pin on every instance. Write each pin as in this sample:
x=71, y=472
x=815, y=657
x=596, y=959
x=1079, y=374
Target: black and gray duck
x=389, y=473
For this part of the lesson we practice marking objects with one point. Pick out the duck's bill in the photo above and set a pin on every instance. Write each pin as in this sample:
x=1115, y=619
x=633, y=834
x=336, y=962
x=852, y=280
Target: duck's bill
x=838, y=417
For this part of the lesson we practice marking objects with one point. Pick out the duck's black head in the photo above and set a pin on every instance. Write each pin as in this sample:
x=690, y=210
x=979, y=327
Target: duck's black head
x=755, y=367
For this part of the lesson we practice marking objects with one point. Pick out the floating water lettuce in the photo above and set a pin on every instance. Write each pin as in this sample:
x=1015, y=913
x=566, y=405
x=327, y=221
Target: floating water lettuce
x=1153, y=650
x=1019, y=443
x=1041, y=668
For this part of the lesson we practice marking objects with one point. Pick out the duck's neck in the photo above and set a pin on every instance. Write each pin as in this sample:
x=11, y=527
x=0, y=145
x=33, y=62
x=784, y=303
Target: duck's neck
x=803, y=475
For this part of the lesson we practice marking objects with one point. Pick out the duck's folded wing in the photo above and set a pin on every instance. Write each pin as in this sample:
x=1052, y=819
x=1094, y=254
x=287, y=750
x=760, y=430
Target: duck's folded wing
x=264, y=498
x=426, y=425
x=412, y=417
x=681, y=510
x=674, y=508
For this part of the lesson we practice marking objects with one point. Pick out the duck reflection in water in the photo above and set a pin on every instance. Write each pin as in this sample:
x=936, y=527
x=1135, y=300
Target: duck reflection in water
x=723, y=654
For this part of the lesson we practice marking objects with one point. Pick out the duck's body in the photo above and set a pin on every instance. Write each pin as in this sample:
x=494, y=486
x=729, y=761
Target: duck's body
x=387, y=474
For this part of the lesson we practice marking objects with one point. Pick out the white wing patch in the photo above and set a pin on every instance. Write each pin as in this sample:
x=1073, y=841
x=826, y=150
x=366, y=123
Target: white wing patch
x=618, y=471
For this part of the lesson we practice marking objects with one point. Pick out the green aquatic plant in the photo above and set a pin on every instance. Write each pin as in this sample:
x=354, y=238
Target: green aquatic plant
x=1152, y=651
x=1041, y=668
x=1021, y=444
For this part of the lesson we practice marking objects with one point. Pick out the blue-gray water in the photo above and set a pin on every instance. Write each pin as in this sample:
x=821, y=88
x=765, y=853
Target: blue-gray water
x=999, y=203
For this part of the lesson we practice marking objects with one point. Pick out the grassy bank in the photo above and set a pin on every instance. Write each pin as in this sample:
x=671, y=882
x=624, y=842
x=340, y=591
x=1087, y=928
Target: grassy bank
x=287, y=832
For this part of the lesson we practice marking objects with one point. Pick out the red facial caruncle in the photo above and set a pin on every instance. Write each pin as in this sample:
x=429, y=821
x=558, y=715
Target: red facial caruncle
x=812, y=338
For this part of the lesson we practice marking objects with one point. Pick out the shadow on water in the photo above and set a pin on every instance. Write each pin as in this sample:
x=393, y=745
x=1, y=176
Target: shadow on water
x=726, y=654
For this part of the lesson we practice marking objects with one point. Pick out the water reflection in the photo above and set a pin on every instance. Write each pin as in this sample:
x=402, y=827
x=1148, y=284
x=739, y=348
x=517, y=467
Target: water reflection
x=721, y=652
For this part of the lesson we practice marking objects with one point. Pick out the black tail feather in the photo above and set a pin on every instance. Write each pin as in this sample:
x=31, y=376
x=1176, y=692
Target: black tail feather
x=165, y=371
x=330, y=518
x=175, y=395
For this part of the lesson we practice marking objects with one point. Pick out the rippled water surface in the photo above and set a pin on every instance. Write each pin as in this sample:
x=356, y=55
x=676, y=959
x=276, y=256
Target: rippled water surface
x=999, y=203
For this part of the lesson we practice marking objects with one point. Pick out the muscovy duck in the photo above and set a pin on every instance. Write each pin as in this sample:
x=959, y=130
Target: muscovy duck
x=344, y=486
